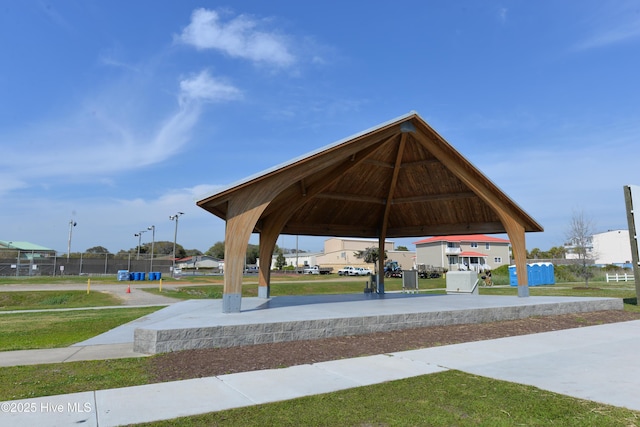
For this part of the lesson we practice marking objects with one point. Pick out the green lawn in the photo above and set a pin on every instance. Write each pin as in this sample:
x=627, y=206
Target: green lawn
x=448, y=398
x=22, y=331
x=39, y=300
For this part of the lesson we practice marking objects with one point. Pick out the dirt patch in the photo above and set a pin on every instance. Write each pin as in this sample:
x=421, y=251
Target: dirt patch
x=211, y=362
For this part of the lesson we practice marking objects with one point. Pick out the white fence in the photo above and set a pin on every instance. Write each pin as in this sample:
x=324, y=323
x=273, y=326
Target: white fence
x=620, y=277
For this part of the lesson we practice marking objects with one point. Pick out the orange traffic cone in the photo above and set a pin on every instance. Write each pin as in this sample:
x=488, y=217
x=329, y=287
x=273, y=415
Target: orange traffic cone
x=129, y=289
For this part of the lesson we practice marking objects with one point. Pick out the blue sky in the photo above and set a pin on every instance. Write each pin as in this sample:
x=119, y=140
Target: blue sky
x=118, y=114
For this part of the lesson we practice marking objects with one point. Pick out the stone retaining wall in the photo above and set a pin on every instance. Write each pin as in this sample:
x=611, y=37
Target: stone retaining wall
x=151, y=341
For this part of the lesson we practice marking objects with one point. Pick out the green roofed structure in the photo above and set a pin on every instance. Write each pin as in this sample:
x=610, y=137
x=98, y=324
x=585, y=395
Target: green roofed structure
x=27, y=250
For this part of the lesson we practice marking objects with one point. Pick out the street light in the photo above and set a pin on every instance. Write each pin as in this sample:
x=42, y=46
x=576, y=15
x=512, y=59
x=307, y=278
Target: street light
x=139, y=236
x=175, y=238
x=153, y=241
x=72, y=224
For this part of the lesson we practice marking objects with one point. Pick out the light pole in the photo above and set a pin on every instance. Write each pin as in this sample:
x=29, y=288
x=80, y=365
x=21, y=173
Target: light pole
x=175, y=238
x=139, y=236
x=72, y=224
x=153, y=241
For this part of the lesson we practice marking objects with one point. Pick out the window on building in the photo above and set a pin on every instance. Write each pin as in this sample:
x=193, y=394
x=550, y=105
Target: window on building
x=451, y=245
x=453, y=260
x=487, y=246
x=497, y=260
x=474, y=244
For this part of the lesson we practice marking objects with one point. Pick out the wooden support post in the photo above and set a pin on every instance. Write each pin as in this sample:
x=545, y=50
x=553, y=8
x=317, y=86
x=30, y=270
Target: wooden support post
x=240, y=224
x=629, y=192
x=268, y=238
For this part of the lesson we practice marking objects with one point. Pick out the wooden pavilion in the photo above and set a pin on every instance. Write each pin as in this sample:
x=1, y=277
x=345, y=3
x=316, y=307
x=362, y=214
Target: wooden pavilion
x=398, y=179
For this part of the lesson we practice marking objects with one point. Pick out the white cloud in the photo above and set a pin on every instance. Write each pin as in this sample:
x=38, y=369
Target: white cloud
x=107, y=134
x=613, y=36
x=502, y=14
x=93, y=144
x=112, y=222
x=203, y=87
x=614, y=24
x=238, y=37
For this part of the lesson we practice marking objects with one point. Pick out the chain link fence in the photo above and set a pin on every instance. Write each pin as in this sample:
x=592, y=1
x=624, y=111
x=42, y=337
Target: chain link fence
x=26, y=264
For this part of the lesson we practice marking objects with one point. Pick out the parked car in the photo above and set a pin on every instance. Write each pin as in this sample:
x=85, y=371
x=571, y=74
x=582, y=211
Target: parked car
x=316, y=269
x=363, y=271
x=347, y=271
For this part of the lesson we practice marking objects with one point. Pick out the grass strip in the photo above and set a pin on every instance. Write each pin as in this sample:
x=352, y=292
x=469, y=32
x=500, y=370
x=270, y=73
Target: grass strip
x=348, y=286
x=450, y=398
x=39, y=300
x=446, y=398
x=23, y=331
x=22, y=382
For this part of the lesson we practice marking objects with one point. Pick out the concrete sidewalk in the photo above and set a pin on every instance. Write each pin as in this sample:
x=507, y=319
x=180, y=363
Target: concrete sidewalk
x=596, y=363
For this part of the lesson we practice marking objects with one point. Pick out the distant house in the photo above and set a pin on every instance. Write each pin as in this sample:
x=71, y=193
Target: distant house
x=26, y=250
x=466, y=252
x=612, y=247
x=340, y=251
x=199, y=262
x=300, y=259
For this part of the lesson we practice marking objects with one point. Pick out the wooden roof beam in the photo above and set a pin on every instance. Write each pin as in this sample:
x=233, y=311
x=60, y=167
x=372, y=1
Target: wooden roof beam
x=380, y=201
x=373, y=232
x=387, y=165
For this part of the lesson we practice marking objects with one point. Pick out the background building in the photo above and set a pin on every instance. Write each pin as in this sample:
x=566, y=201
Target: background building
x=339, y=252
x=465, y=252
x=612, y=247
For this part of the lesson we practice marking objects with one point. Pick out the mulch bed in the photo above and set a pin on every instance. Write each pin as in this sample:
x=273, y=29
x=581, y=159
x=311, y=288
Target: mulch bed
x=211, y=362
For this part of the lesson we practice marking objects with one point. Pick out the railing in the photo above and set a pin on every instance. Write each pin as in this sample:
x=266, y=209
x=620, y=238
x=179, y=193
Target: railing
x=620, y=277
x=452, y=251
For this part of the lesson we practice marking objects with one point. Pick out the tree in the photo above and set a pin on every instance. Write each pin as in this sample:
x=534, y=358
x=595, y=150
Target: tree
x=370, y=255
x=402, y=248
x=281, y=261
x=557, y=252
x=97, y=250
x=580, y=238
x=253, y=253
x=534, y=254
x=216, y=251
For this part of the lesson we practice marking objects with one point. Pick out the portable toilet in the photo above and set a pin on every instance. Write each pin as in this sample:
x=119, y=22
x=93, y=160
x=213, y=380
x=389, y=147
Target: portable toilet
x=513, y=276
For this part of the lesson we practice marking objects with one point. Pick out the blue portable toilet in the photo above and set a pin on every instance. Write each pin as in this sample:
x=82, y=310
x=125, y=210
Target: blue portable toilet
x=513, y=276
x=547, y=273
x=536, y=275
